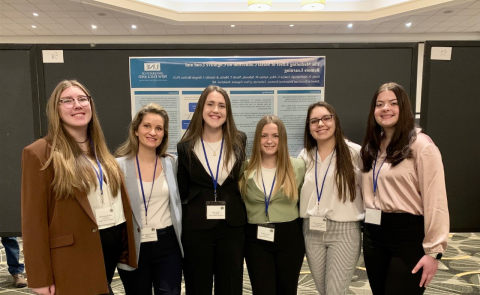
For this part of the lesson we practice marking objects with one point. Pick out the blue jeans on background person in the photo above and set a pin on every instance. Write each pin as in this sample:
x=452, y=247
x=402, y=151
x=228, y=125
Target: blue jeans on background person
x=12, y=251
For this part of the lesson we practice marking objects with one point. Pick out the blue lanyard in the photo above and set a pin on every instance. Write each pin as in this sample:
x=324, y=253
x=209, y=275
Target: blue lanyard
x=215, y=180
x=141, y=185
x=267, y=202
x=99, y=176
x=375, y=179
x=319, y=195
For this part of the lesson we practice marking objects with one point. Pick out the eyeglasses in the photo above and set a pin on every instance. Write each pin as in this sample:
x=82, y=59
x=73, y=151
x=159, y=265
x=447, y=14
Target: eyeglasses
x=68, y=102
x=327, y=119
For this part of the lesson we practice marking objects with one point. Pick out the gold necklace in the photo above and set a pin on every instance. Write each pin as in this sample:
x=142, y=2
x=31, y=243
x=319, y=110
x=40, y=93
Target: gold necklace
x=214, y=151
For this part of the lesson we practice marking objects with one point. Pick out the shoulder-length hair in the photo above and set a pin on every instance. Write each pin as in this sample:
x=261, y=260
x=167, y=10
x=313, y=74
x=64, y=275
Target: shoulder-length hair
x=71, y=168
x=130, y=147
x=403, y=137
x=233, y=140
x=345, y=171
x=285, y=175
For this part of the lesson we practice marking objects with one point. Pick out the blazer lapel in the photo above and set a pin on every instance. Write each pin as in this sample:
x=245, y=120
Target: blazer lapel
x=167, y=164
x=255, y=189
x=131, y=183
x=82, y=199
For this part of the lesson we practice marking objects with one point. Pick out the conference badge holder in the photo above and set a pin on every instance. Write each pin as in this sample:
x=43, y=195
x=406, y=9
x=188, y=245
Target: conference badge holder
x=149, y=234
x=266, y=232
x=216, y=209
x=318, y=223
x=373, y=216
x=105, y=216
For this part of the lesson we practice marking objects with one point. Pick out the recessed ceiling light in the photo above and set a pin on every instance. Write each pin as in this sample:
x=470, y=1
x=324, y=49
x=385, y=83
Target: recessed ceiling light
x=292, y=25
x=350, y=25
x=233, y=26
x=34, y=27
x=35, y=14
x=448, y=11
x=134, y=26
x=408, y=25
x=94, y=27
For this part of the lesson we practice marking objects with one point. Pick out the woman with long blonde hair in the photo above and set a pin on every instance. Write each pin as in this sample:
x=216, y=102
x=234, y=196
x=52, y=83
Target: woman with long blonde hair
x=76, y=215
x=210, y=155
x=270, y=184
x=151, y=180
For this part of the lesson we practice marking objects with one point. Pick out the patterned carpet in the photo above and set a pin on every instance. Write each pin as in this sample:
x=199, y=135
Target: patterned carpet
x=459, y=272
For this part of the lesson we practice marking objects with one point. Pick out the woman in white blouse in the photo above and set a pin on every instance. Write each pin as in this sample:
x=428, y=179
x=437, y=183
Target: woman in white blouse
x=407, y=221
x=330, y=200
x=150, y=177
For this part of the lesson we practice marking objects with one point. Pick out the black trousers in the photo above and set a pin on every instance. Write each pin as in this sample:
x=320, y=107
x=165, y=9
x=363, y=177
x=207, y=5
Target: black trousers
x=111, y=239
x=391, y=251
x=274, y=267
x=216, y=252
x=159, y=265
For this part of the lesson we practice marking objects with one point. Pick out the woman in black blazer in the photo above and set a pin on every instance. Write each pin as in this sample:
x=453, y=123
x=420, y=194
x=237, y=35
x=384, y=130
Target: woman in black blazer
x=210, y=155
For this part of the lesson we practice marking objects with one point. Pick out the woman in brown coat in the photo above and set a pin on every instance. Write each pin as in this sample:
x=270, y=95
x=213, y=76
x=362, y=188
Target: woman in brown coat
x=76, y=215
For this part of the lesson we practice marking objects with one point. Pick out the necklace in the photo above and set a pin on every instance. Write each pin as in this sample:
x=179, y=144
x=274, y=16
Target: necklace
x=83, y=141
x=214, y=150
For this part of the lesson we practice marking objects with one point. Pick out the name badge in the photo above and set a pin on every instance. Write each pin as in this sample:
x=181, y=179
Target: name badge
x=105, y=216
x=318, y=223
x=216, y=210
x=373, y=216
x=148, y=234
x=266, y=232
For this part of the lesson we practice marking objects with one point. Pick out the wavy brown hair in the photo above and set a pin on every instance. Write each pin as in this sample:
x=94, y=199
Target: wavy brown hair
x=130, y=147
x=233, y=140
x=285, y=174
x=71, y=168
x=403, y=137
x=345, y=171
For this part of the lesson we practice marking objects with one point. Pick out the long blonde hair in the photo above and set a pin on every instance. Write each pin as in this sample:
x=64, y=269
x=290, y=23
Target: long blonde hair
x=285, y=174
x=71, y=168
x=130, y=147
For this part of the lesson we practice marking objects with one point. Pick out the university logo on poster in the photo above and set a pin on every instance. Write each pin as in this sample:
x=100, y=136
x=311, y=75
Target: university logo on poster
x=151, y=66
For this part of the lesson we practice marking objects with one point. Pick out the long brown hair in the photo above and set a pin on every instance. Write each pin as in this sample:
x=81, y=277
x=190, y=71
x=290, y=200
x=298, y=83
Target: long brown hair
x=233, y=140
x=285, y=174
x=345, y=171
x=404, y=135
x=130, y=147
x=72, y=169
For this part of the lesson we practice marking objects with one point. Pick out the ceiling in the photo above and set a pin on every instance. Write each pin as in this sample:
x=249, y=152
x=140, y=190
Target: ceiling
x=183, y=18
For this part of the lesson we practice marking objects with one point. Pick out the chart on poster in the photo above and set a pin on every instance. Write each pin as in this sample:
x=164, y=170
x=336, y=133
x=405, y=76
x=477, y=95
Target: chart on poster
x=257, y=86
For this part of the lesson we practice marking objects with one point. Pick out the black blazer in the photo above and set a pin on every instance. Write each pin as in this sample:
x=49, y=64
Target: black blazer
x=196, y=188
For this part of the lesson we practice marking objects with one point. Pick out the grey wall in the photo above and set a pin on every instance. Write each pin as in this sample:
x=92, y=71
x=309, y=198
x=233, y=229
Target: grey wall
x=450, y=116
x=16, y=130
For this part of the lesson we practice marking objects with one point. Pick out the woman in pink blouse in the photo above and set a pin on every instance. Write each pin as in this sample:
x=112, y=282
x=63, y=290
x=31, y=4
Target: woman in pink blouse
x=403, y=183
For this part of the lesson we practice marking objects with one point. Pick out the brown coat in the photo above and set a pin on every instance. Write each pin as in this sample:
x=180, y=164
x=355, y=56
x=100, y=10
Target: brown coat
x=61, y=241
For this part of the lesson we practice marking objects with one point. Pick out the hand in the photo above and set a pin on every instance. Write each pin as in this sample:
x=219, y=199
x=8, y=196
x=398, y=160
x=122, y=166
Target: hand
x=430, y=266
x=49, y=290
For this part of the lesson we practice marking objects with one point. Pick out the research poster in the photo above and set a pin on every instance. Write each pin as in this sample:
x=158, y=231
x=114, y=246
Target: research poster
x=283, y=86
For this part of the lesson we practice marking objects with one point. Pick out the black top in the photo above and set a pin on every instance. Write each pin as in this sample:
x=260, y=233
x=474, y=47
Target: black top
x=196, y=188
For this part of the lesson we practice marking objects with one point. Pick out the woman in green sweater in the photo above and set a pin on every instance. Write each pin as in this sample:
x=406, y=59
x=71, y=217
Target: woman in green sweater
x=270, y=184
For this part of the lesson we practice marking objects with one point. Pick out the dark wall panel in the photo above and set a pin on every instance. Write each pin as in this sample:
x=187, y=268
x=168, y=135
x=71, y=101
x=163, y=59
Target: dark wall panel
x=450, y=115
x=353, y=73
x=16, y=132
